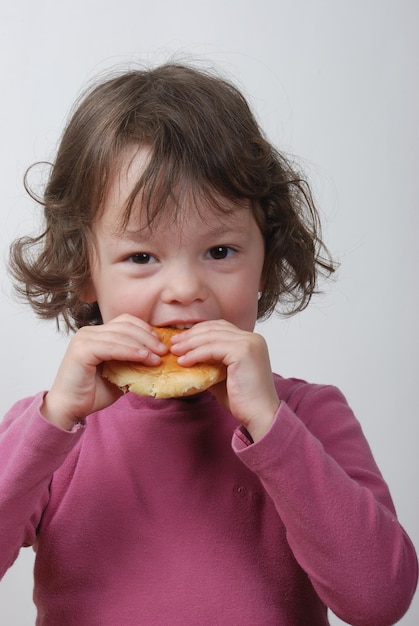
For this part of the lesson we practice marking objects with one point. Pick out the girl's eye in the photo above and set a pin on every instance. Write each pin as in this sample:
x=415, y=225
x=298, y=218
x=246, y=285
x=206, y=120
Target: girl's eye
x=141, y=258
x=220, y=252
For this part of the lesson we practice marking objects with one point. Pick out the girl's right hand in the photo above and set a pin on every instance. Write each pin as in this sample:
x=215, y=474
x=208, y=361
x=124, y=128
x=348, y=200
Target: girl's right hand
x=79, y=388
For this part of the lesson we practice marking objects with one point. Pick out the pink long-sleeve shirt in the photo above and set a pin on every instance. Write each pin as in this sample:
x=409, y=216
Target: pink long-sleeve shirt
x=158, y=512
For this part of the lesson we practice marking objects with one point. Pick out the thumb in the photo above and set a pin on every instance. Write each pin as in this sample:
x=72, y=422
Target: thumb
x=219, y=391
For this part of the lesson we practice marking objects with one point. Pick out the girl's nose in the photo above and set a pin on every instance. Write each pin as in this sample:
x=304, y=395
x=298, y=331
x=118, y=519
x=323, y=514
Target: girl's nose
x=184, y=286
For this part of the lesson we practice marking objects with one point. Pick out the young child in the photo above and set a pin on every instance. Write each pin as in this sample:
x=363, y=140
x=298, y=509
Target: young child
x=255, y=503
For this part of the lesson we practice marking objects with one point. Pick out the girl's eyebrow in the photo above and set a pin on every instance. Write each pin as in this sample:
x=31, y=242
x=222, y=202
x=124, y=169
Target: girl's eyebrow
x=222, y=230
x=134, y=233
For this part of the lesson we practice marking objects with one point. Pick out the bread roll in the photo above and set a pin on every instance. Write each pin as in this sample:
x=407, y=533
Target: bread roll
x=166, y=380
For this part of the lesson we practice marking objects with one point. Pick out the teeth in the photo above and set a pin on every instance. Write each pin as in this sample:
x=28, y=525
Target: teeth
x=182, y=326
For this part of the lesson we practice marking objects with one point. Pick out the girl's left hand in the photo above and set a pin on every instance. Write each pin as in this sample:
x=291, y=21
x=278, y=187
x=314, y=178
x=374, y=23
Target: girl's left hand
x=249, y=392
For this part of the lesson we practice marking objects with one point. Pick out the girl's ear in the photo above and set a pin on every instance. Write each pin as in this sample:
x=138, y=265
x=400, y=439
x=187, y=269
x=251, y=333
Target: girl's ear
x=88, y=293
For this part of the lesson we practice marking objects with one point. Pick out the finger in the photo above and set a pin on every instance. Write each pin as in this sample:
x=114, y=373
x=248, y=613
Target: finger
x=209, y=342
x=116, y=341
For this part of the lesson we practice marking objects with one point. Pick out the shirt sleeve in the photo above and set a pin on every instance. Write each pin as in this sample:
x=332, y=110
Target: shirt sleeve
x=31, y=450
x=341, y=524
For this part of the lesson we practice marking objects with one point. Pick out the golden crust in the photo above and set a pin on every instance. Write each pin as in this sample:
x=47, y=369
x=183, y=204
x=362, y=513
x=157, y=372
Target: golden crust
x=166, y=380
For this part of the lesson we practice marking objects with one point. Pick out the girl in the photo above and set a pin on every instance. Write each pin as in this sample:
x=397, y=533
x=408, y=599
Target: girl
x=257, y=503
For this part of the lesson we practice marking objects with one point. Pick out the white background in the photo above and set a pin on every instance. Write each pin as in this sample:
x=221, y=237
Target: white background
x=332, y=81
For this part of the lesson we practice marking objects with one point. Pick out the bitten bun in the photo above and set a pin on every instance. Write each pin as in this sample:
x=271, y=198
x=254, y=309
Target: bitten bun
x=166, y=380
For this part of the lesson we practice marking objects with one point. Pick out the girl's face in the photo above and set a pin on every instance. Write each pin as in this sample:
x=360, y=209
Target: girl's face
x=205, y=265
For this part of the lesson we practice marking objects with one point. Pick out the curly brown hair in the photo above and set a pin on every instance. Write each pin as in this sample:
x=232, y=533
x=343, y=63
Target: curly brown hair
x=201, y=132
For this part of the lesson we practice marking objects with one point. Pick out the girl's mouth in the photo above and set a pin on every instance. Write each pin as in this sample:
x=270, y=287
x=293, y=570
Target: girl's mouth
x=182, y=326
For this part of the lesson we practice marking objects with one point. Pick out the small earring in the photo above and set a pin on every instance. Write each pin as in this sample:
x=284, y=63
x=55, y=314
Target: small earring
x=260, y=294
